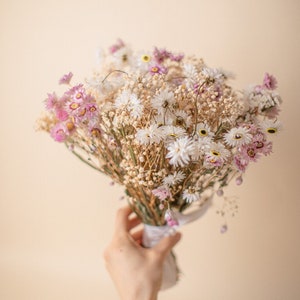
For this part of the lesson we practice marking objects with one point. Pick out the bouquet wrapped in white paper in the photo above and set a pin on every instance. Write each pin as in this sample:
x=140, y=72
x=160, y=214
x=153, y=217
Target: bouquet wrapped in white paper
x=168, y=128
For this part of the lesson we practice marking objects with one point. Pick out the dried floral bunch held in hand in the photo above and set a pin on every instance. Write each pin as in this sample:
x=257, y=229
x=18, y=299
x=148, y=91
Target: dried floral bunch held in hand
x=167, y=127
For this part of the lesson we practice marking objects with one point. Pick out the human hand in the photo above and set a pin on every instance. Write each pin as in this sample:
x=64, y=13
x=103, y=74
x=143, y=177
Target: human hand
x=136, y=271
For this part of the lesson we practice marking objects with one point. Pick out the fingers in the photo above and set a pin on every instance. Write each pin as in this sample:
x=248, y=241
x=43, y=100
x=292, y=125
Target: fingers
x=122, y=219
x=137, y=235
x=166, y=244
x=135, y=221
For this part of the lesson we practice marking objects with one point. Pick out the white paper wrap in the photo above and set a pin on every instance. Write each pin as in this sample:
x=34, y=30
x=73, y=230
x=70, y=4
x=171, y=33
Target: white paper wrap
x=153, y=234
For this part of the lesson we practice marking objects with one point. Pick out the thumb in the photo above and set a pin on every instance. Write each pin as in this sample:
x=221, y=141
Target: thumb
x=166, y=244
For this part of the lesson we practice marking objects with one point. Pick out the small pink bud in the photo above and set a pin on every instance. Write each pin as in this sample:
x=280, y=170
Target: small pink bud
x=224, y=228
x=71, y=147
x=161, y=206
x=171, y=220
x=239, y=180
x=220, y=192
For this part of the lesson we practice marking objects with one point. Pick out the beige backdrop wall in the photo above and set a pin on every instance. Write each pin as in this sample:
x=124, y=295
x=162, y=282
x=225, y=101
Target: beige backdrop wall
x=56, y=213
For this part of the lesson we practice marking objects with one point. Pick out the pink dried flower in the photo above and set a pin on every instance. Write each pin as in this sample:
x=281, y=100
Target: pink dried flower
x=157, y=69
x=66, y=78
x=220, y=192
x=59, y=132
x=266, y=149
x=117, y=46
x=176, y=57
x=91, y=110
x=213, y=162
x=51, y=102
x=224, y=228
x=239, y=180
x=76, y=93
x=61, y=114
x=74, y=108
x=160, y=54
x=261, y=144
x=250, y=152
x=240, y=163
x=170, y=218
x=270, y=82
x=162, y=192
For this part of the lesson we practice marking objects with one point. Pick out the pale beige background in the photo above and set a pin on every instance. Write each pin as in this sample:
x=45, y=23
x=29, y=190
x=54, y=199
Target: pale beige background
x=56, y=213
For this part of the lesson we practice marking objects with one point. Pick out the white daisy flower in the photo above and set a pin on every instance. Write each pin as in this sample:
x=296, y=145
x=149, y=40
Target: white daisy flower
x=213, y=74
x=271, y=126
x=150, y=135
x=217, y=151
x=143, y=60
x=190, y=72
x=227, y=74
x=164, y=100
x=130, y=102
x=203, y=130
x=164, y=119
x=191, y=195
x=122, y=57
x=267, y=100
x=106, y=86
x=181, y=118
x=173, y=179
x=238, y=137
x=173, y=132
x=201, y=147
x=204, y=144
x=180, y=151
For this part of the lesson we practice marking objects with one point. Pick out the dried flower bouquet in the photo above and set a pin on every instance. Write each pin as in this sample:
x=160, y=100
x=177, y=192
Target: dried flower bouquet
x=168, y=128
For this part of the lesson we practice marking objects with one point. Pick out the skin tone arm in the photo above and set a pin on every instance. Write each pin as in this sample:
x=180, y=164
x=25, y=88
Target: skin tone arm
x=135, y=271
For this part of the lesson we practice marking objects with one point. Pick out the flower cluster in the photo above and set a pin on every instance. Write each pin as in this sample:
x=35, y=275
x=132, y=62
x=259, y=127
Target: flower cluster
x=165, y=126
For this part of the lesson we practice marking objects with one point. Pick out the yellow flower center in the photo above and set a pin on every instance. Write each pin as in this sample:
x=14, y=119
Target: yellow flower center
x=203, y=132
x=93, y=109
x=95, y=132
x=78, y=95
x=179, y=121
x=82, y=113
x=238, y=136
x=70, y=126
x=74, y=105
x=259, y=145
x=272, y=130
x=145, y=58
x=251, y=152
x=154, y=69
x=215, y=153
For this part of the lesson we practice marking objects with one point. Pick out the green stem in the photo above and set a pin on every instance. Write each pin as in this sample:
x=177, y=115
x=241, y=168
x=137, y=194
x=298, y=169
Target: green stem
x=85, y=161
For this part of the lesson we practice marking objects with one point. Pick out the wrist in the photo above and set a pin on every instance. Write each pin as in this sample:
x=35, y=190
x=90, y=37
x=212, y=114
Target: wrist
x=141, y=293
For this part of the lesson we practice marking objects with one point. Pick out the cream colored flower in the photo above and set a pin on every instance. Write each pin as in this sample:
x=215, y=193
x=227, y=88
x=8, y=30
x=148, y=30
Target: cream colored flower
x=238, y=137
x=271, y=126
x=180, y=151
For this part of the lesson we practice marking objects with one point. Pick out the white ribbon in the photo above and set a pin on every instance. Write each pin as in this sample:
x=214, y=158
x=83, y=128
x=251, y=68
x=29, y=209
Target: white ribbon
x=153, y=234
